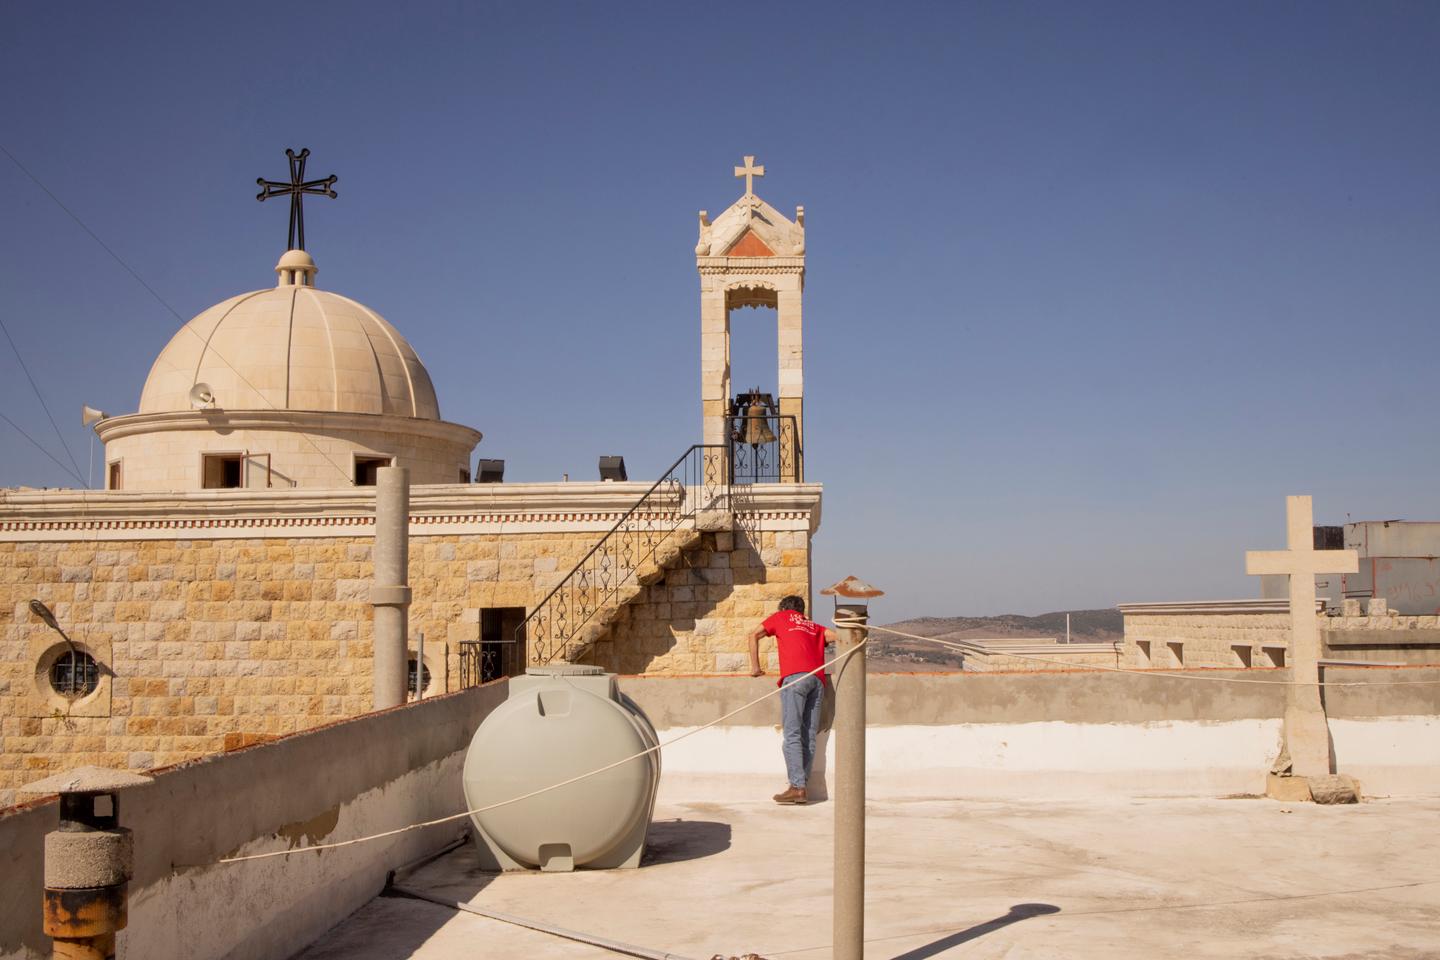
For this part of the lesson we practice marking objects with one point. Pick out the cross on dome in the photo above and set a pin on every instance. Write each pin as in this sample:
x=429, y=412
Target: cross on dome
x=296, y=189
x=749, y=172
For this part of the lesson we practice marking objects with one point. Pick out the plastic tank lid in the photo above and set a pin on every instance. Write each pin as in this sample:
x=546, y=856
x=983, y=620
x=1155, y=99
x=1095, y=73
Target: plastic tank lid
x=566, y=670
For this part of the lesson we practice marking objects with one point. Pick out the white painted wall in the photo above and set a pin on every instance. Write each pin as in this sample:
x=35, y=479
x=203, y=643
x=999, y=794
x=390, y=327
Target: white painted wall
x=1391, y=756
x=998, y=760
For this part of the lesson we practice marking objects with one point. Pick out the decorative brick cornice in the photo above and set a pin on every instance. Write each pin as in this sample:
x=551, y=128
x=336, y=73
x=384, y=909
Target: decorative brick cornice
x=752, y=266
x=435, y=511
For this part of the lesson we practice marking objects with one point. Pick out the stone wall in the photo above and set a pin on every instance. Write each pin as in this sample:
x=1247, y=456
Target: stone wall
x=215, y=643
x=1240, y=634
x=1256, y=633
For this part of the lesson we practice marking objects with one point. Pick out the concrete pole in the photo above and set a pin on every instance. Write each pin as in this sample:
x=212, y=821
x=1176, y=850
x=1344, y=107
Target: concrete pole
x=849, y=904
x=391, y=592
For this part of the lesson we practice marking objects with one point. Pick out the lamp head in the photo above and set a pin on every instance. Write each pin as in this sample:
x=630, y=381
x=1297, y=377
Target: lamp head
x=43, y=612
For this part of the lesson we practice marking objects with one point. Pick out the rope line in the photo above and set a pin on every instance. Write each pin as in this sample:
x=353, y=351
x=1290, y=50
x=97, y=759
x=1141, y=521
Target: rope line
x=554, y=786
x=1156, y=673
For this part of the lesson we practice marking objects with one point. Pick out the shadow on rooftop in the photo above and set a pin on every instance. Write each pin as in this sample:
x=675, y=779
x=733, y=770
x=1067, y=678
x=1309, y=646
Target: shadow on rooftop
x=1020, y=911
x=674, y=841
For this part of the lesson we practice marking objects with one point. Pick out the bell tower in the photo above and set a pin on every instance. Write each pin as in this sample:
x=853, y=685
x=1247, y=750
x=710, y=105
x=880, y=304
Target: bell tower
x=753, y=256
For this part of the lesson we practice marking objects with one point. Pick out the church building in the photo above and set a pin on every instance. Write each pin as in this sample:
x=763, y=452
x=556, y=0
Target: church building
x=218, y=591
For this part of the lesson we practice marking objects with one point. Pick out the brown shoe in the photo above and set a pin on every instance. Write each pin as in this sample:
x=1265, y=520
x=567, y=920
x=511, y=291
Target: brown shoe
x=795, y=796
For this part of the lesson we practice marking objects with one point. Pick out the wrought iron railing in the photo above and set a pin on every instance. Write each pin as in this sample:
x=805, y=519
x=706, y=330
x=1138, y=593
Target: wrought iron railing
x=696, y=482
x=765, y=449
x=482, y=661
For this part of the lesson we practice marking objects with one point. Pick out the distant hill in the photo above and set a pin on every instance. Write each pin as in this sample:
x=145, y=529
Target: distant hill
x=898, y=653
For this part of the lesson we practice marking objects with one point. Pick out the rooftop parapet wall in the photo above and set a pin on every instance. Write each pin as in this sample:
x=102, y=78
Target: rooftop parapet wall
x=436, y=510
x=348, y=779
x=1057, y=735
x=1256, y=633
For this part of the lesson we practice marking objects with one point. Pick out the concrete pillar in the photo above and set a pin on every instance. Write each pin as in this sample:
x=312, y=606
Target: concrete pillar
x=391, y=592
x=714, y=360
x=792, y=370
x=849, y=796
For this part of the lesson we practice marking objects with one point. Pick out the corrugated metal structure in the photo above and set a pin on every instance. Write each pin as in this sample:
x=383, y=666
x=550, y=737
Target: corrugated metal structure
x=1399, y=562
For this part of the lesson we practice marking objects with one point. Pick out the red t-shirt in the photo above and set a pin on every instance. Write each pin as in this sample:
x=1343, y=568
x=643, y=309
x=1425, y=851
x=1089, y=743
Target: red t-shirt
x=801, y=642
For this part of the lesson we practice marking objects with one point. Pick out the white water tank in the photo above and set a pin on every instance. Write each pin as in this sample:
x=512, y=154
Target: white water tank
x=558, y=723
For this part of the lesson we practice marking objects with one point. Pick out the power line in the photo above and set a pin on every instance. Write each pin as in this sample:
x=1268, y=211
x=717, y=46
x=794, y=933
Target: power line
x=39, y=396
x=21, y=430
x=164, y=303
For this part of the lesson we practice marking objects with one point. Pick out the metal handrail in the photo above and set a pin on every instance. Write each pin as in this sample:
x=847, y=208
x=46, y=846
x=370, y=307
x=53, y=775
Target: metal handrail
x=563, y=613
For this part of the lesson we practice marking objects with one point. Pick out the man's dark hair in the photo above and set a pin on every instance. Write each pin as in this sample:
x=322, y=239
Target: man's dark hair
x=793, y=602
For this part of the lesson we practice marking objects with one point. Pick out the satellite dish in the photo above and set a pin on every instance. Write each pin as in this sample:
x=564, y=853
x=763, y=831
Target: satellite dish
x=89, y=415
x=201, y=396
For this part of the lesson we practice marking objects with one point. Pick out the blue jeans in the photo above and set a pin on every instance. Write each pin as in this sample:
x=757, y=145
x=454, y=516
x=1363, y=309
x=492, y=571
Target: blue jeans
x=801, y=696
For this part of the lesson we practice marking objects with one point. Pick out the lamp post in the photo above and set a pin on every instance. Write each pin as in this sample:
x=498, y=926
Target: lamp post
x=849, y=893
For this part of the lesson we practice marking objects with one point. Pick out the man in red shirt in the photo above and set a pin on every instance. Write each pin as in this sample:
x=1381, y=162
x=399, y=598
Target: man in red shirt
x=801, y=643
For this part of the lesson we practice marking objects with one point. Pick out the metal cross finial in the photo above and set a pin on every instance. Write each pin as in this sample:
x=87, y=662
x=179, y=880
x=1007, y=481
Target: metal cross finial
x=749, y=172
x=296, y=189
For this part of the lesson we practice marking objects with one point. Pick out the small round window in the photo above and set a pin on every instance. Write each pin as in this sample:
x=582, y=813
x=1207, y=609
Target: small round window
x=424, y=678
x=74, y=674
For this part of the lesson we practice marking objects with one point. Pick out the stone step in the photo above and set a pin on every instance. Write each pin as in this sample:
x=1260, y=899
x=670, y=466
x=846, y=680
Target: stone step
x=599, y=627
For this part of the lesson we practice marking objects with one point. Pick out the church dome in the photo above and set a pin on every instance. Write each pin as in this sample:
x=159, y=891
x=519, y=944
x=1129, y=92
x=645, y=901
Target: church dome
x=291, y=347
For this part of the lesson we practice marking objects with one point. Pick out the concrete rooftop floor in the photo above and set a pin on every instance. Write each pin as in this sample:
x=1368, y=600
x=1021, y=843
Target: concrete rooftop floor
x=1111, y=879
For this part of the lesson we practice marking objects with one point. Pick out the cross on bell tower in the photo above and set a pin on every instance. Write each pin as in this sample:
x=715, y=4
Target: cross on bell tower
x=749, y=172
x=296, y=189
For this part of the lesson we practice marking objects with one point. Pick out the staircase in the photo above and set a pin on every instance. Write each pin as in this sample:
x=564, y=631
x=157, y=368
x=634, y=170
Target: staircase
x=689, y=500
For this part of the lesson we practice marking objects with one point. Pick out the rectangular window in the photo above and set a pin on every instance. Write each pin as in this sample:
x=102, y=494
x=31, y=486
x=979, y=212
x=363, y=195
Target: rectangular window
x=365, y=468
x=112, y=476
x=223, y=471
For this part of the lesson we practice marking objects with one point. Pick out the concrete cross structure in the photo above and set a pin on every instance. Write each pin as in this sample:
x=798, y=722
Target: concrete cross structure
x=1307, y=735
x=749, y=172
x=751, y=255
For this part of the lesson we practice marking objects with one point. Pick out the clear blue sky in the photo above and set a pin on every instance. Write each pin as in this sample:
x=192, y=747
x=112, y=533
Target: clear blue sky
x=1091, y=286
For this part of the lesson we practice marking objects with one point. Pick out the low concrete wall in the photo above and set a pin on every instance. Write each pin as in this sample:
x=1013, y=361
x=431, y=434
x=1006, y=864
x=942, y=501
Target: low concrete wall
x=1056, y=735
x=351, y=778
